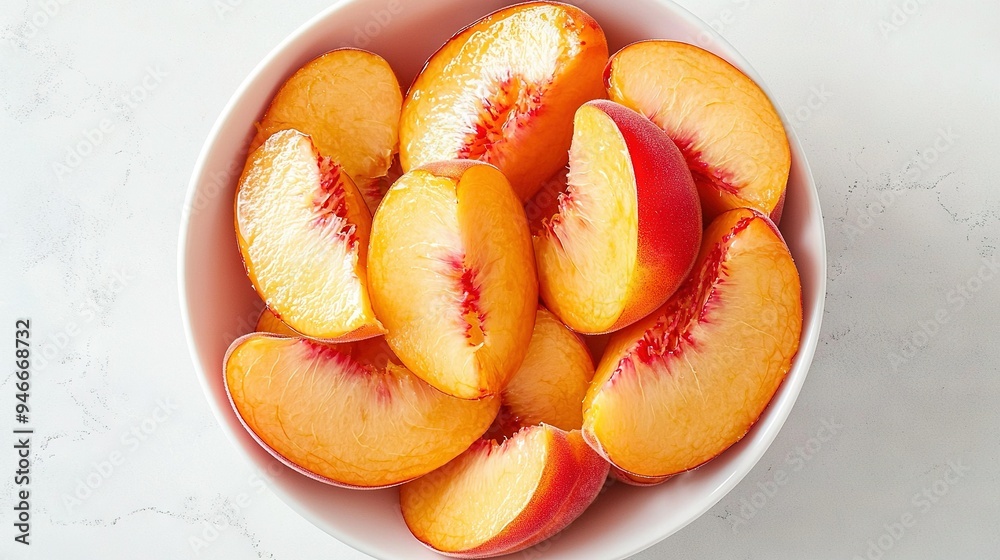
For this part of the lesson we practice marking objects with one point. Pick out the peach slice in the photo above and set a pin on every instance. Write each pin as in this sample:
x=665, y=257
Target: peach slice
x=349, y=101
x=347, y=414
x=499, y=498
x=503, y=91
x=452, y=276
x=724, y=124
x=627, y=228
x=550, y=385
x=679, y=387
x=303, y=229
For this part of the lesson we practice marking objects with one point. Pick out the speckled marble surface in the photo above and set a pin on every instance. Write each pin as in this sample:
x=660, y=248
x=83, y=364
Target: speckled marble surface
x=890, y=452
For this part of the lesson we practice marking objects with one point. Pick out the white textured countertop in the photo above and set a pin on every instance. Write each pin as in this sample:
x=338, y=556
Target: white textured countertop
x=891, y=451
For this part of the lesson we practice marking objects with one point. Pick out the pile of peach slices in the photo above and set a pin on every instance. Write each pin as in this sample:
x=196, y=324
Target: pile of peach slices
x=432, y=320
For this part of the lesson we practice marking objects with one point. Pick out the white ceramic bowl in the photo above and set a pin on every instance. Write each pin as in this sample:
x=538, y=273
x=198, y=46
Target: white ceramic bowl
x=218, y=302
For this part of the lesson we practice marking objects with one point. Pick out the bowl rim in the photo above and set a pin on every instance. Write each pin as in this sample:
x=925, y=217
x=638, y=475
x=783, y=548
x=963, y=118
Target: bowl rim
x=802, y=360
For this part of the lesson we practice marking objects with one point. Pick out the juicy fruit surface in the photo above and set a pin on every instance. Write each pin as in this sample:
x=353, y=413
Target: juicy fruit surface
x=303, y=230
x=682, y=385
x=349, y=414
x=349, y=101
x=725, y=125
x=597, y=216
x=476, y=496
x=504, y=91
x=503, y=497
x=452, y=276
x=550, y=384
x=627, y=228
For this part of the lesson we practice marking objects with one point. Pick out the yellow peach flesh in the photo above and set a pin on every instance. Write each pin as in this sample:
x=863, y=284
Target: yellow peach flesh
x=725, y=125
x=681, y=386
x=349, y=414
x=550, y=385
x=303, y=230
x=627, y=228
x=349, y=101
x=598, y=215
x=475, y=497
x=499, y=498
x=504, y=91
x=452, y=277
